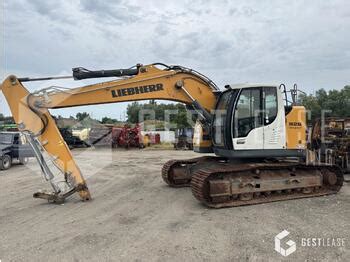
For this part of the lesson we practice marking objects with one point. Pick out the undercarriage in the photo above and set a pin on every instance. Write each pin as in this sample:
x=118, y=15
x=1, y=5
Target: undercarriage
x=218, y=182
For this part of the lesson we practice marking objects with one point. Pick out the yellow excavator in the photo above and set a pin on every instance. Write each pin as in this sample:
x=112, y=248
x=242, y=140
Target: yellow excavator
x=256, y=133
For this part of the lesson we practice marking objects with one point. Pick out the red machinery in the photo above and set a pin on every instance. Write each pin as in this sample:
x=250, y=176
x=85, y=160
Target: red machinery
x=109, y=135
x=130, y=137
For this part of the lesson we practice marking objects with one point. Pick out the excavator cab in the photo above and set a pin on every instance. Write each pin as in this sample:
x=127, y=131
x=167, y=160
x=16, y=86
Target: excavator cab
x=250, y=122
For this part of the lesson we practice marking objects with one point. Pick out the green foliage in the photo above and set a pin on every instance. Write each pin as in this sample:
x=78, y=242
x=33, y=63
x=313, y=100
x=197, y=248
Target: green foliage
x=108, y=120
x=82, y=116
x=336, y=102
x=6, y=119
x=176, y=114
x=6, y=122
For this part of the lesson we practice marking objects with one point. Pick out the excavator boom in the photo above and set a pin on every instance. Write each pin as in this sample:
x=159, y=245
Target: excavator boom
x=31, y=111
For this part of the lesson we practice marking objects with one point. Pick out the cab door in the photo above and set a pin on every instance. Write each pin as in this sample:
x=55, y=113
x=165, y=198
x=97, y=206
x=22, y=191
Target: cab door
x=273, y=119
x=248, y=128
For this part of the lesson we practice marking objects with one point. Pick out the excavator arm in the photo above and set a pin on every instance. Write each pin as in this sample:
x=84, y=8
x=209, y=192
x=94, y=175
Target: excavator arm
x=31, y=112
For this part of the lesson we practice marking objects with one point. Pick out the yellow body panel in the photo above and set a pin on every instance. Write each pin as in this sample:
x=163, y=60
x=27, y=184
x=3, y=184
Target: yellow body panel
x=296, y=128
x=124, y=90
x=201, y=140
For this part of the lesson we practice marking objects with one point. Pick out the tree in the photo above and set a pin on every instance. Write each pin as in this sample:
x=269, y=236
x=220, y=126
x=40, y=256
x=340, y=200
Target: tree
x=82, y=116
x=108, y=120
x=335, y=103
x=176, y=113
x=6, y=119
x=132, y=112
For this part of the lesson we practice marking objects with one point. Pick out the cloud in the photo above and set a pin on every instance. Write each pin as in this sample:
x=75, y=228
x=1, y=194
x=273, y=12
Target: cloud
x=230, y=41
x=121, y=12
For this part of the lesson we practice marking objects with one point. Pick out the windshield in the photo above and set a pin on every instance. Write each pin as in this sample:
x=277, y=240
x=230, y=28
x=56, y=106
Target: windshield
x=6, y=139
x=220, y=128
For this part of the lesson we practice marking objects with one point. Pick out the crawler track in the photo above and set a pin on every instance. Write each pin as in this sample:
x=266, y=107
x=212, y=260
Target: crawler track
x=177, y=173
x=229, y=185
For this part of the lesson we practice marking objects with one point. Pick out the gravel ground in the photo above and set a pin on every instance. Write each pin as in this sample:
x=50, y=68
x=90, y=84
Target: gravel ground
x=134, y=216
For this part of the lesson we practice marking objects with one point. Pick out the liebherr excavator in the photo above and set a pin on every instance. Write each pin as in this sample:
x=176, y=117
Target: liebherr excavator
x=258, y=138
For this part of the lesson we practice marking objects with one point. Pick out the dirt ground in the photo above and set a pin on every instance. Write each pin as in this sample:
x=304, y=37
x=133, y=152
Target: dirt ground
x=134, y=216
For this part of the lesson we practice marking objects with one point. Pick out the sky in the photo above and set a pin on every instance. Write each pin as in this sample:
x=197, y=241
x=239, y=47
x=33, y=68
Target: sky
x=303, y=42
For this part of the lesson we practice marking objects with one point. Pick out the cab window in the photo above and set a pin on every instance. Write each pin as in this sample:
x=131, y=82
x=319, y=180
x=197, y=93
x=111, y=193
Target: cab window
x=270, y=104
x=220, y=118
x=248, y=114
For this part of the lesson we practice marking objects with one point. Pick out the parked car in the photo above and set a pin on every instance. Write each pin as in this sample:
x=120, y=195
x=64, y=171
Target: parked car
x=13, y=146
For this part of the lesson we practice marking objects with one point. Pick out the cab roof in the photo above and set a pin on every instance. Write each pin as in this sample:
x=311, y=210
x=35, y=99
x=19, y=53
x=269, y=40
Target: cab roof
x=250, y=85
